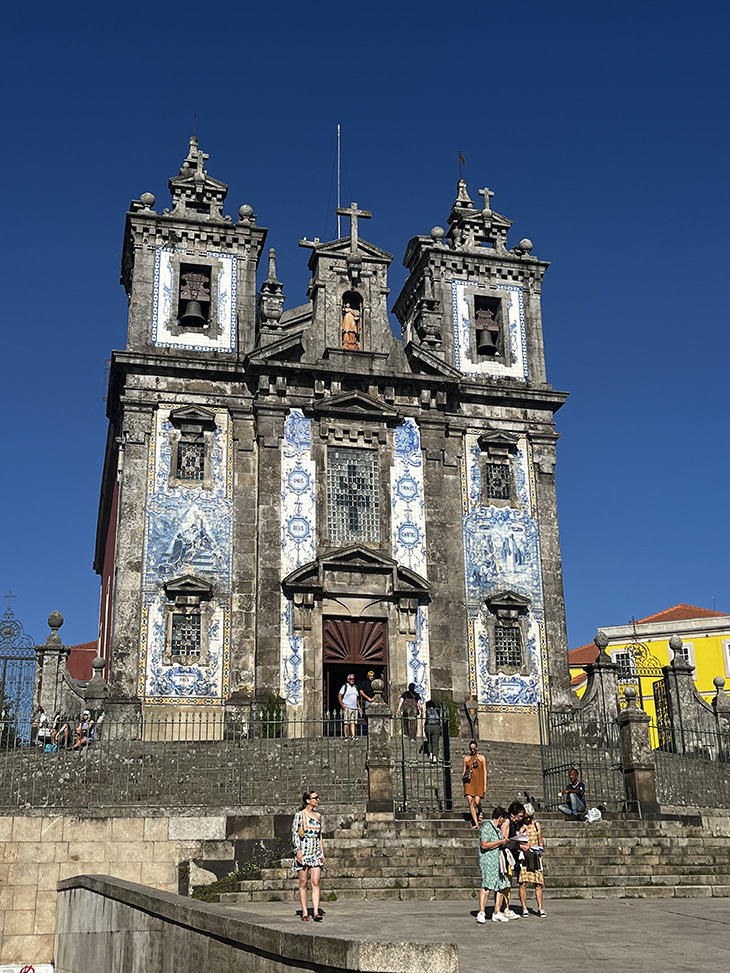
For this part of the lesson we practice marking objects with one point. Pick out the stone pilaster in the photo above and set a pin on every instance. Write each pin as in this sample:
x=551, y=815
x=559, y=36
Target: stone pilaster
x=380, y=754
x=638, y=756
x=601, y=693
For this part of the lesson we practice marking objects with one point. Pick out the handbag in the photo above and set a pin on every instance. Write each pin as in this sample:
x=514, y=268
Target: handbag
x=466, y=778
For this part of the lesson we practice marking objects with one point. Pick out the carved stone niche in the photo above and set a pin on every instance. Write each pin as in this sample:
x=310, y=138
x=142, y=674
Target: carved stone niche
x=498, y=468
x=507, y=632
x=188, y=605
x=191, y=448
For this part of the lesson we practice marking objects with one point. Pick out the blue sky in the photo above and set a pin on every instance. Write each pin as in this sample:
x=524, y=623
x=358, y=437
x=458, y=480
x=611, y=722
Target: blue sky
x=602, y=129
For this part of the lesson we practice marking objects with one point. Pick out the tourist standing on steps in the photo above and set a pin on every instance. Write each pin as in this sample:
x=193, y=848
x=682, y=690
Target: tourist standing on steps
x=432, y=730
x=474, y=778
x=530, y=865
x=409, y=708
x=575, y=793
x=306, y=834
x=491, y=843
x=349, y=697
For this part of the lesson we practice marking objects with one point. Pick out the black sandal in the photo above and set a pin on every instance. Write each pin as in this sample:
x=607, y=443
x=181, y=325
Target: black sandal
x=305, y=917
x=319, y=917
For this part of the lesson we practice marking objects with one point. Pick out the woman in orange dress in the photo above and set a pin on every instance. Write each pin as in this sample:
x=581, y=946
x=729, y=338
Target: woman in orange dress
x=474, y=777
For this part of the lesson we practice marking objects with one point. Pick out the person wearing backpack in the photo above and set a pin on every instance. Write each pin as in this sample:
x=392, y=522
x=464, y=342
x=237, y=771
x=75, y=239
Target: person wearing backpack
x=432, y=729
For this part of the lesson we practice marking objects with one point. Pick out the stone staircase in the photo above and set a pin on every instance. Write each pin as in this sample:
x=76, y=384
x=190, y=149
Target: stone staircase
x=418, y=858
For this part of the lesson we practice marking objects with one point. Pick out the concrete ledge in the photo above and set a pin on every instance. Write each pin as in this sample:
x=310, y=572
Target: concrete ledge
x=110, y=924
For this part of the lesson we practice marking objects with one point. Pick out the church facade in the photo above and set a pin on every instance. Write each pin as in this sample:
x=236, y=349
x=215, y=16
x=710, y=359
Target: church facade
x=290, y=495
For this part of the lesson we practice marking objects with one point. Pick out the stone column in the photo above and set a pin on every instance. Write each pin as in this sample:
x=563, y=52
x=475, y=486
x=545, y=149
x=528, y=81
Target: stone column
x=692, y=720
x=601, y=693
x=379, y=755
x=50, y=664
x=721, y=708
x=638, y=756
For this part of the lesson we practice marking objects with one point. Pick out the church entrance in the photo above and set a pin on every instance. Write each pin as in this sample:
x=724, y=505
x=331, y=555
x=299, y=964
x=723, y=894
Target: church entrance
x=351, y=645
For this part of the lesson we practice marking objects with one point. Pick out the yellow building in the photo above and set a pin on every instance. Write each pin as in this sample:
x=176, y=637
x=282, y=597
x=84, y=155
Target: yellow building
x=641, y=649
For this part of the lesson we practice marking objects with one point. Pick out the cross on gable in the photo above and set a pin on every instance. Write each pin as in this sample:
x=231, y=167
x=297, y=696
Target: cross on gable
x=487, y=194
x=10, y=596
x=353, y=212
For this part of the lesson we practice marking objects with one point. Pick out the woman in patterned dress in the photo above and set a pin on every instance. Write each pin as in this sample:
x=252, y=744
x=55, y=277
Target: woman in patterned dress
x=531, y=867
x=491, y=841
x=308, y=853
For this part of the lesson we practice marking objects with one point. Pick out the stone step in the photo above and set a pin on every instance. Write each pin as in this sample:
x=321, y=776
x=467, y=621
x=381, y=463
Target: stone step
x=467, y=893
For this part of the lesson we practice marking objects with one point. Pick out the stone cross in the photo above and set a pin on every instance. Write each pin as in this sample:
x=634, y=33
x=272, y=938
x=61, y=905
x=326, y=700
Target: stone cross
x=487, y=194
x=10, y=596
x=353, y=212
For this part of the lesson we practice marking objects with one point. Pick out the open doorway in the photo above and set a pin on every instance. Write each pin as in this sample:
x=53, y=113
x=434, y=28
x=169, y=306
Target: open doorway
x=351, y=645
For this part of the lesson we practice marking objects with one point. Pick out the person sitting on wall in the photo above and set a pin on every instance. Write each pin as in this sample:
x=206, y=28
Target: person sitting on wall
x=61, y=732
x=84, y=731
x=575, y=806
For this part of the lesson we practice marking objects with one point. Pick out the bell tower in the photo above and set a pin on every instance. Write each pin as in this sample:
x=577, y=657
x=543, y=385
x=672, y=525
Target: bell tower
x=181, y=432
x=190, y=272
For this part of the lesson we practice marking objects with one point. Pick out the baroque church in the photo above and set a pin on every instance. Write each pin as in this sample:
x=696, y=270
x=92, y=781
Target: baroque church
x=292, y=494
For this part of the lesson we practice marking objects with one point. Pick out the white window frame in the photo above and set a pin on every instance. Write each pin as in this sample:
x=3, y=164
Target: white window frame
x=726, y=655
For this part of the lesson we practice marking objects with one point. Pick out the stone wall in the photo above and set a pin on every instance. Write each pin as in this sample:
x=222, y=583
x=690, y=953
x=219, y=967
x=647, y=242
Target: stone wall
x=37, y=852
x=117, y=927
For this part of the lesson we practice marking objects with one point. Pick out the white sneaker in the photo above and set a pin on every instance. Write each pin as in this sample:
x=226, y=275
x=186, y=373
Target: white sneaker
x=510, y=914
x=542, y=914
x=500, y=917
x=525, y=914
x=481, y=918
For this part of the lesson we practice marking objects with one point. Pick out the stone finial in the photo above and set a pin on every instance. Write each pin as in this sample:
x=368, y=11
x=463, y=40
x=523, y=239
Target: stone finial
x=245, y=213
x=463, y=199
x=526, y=245
x=601, y=641
x=98, y=665
x=271, y=303
x=678, y=660
x=378, y=686
x=437, y=234
x=55, y=621
x=630, y=696
x=148, y=201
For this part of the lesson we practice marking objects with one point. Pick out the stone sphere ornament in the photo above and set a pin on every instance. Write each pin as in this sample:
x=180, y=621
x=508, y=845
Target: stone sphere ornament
x=147, y=199
x=246, y=212
x=55, y=620
x=718, y=682
x=437, y=234
x=526, y=245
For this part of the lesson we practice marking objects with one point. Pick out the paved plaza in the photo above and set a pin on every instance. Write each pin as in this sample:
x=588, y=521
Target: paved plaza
x=658, y=936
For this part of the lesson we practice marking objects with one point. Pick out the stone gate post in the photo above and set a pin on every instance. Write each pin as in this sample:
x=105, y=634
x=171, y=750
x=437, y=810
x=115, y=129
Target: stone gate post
x=379, y=755
x=637, y=755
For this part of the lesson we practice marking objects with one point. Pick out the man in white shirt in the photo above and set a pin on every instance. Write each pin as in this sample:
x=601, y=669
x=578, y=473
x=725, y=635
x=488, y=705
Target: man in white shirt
x=349, y=697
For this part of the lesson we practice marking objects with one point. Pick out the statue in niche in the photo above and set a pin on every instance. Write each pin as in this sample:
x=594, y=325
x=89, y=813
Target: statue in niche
x=350, y=327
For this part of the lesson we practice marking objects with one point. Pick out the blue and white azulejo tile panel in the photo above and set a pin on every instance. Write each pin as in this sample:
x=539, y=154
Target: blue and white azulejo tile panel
x=188, y=531
x=463, y=329
x=298, y=545
x=408, y=525
x=163, y=304
x=502, y=552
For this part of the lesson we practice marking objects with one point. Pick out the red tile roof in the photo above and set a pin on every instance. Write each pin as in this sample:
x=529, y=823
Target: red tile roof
x=583, y=655
x=678, y=613
x=681, y=613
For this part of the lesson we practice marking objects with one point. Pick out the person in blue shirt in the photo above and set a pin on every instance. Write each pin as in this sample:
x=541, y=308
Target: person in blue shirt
x=575, y=794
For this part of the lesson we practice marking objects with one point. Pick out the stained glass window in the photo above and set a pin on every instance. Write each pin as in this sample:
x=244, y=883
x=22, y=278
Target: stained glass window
x=190, y=461
x=353, y=494
x=507, y=647
x=185, y=635
x=498, y=481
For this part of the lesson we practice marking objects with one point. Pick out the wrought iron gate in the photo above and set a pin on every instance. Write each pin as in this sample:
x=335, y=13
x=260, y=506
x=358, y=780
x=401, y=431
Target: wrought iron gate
x=420, y=783
x=591, y=745
x=17, y=678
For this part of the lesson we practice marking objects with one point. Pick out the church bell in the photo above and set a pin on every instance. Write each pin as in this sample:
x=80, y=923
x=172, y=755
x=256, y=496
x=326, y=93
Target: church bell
x=487, y=341
x=193, y=316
